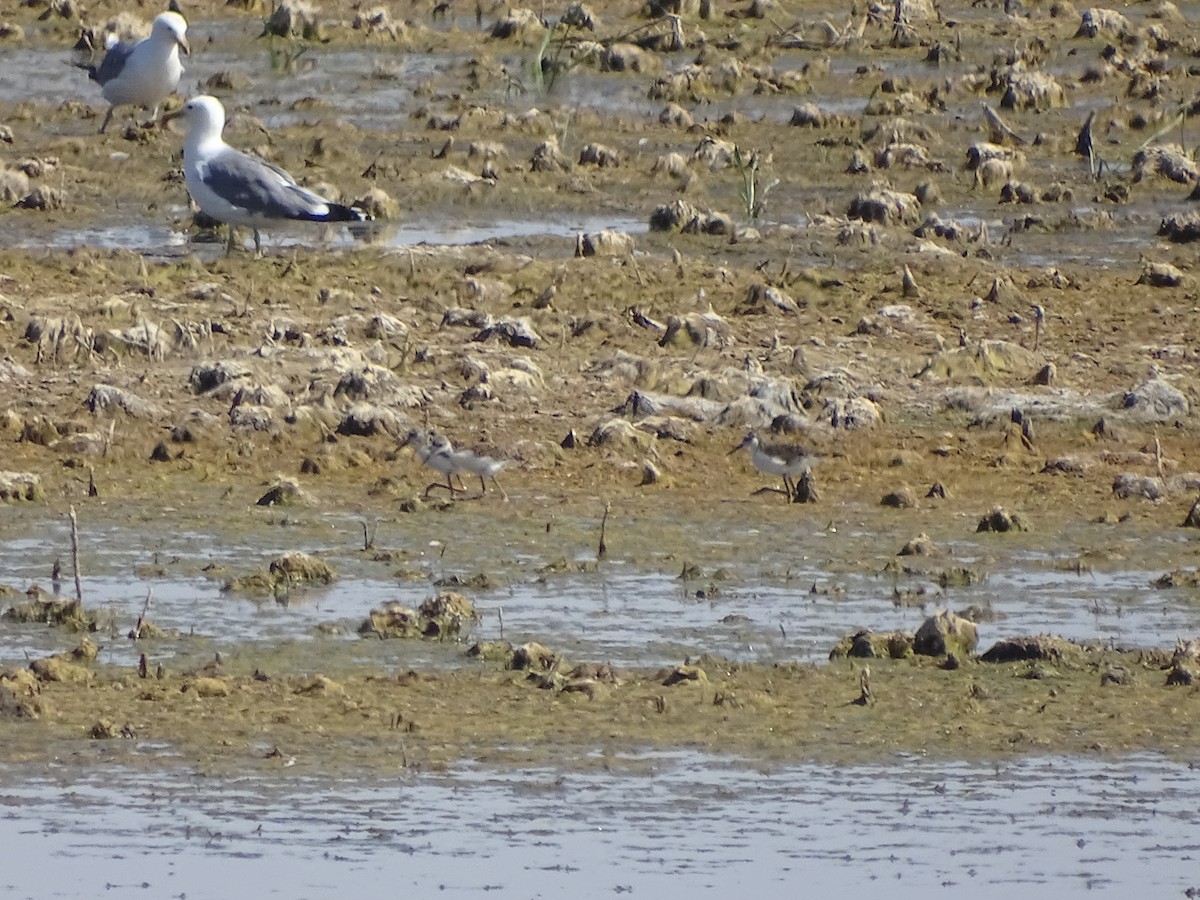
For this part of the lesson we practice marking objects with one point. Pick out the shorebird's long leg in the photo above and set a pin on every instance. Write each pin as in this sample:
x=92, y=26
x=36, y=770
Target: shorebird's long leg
x=437, y=484
x=789, y=488
x=503, y=493
x=107, y=118
x=482, y=489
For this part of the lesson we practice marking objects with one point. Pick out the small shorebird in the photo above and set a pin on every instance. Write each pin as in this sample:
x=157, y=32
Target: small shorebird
x=482, y=465
x=142, y=74
x=437, y=453
x=784, y=460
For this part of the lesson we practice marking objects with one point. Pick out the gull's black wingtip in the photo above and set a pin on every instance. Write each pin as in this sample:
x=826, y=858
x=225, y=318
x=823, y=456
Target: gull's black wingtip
x=340, y=213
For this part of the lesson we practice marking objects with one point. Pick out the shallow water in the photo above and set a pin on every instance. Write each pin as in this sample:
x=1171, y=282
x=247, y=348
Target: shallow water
x=747, y=597
x=155, y=239
x=670, y=825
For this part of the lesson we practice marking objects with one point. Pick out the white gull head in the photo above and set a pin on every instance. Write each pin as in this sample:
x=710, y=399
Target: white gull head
x=170, y=28
x=204, y=117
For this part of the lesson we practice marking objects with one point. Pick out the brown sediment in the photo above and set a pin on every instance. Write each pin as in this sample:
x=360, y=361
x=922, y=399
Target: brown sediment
x=1100, y=702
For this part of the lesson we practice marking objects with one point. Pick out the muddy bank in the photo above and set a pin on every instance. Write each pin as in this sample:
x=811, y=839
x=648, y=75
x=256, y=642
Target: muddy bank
x=360, y=720
x=129, y=381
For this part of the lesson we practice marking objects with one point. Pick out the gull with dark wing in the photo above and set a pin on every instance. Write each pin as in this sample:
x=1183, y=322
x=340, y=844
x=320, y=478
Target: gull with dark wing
x=239, y=189
x=784, y=460
x=142, y=73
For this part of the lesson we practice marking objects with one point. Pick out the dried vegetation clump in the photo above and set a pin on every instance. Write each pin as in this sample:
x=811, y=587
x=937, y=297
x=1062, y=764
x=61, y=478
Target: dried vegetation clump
x=20, y=486
x=51, y=609
x=21, y=695
x=445, y=615
x=291, y=570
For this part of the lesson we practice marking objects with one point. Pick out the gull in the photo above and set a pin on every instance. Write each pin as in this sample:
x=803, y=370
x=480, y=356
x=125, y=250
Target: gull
x=784, y=460
x=142, y=74
x=239, y=189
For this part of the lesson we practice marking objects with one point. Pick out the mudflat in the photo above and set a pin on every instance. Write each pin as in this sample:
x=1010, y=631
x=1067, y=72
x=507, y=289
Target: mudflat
x=960, y=276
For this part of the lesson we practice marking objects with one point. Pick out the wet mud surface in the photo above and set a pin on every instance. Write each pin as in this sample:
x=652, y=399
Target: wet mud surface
x=428, y=721
x=952, y=315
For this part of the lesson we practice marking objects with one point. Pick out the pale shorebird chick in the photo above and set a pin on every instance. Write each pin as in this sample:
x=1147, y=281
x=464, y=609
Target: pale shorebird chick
x=483, y=465
x=437, y=453
x=785, y=460
x=142, y=73
x=239, y=189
